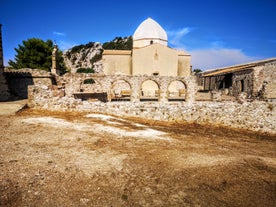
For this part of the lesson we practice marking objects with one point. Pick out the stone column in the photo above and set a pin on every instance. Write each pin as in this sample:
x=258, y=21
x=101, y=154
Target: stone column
x=163, y=96
x=55, y=67
x=191, y=89
x=163, y=90
x=135, y=92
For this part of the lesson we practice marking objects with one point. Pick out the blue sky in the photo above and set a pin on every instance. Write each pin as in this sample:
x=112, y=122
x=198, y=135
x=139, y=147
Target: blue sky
x=216, y=33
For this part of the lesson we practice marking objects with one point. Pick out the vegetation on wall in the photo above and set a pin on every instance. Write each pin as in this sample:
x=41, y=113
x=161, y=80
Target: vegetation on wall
x=35, y=53
x=85, y=70
x=88, y=81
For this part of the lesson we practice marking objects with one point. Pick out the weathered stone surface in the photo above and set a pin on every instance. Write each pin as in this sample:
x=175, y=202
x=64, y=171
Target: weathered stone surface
x=257, y=116
x=19, y=80
x=4, y=93
x=256, y=79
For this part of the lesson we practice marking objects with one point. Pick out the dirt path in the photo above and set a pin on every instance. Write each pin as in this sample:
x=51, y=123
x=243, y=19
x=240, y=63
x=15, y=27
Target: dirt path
x=12, y=107
x=70, y=159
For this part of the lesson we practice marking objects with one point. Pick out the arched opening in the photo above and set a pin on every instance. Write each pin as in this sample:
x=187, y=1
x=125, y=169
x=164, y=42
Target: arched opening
x=120, y=91
x=177, y=91
x=149, y=91
x=91, y=90
x=90, y=85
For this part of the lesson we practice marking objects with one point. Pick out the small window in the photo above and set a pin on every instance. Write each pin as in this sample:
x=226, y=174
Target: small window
x=151, y=42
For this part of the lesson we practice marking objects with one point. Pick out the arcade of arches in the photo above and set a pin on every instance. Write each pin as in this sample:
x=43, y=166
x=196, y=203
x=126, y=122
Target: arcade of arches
x=130, y=88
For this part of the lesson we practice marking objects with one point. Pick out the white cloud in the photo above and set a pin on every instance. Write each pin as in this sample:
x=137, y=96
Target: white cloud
x=213, y=54
x=218, y=57
x=59, y=33
x=175, y=36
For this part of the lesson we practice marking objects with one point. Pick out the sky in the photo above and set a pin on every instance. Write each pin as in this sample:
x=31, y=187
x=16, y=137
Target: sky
x=217, y=33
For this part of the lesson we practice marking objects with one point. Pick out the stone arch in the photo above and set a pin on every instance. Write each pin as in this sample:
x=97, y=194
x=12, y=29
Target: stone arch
x=90, y=85
x=177, y=90
x=120, y=90
x=150, y=90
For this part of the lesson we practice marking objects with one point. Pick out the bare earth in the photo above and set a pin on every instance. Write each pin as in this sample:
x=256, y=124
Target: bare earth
x=70, y=159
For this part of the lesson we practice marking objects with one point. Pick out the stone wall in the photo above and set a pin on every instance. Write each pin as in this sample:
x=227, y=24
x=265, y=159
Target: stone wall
x=19, y=80
x=74, y=84
x=4, y=93
x=257, y=116
x=265, y=81
x=257, y=80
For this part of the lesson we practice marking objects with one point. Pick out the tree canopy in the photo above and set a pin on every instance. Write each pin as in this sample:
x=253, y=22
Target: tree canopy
x=35, y=53
x=197, y=70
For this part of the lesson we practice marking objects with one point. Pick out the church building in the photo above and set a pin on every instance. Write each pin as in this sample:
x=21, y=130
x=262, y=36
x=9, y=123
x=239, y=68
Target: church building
x=150, y=55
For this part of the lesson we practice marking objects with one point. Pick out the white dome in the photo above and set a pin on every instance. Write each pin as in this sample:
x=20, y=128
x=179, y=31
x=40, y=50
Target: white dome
x=150, y=29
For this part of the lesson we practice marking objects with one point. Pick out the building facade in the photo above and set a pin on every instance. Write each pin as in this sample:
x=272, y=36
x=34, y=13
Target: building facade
x=256, y=80
x=150, y=55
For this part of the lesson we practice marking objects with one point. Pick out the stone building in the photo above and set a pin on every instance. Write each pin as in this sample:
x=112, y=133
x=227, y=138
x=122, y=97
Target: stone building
x=255, y=80
x=150, y=55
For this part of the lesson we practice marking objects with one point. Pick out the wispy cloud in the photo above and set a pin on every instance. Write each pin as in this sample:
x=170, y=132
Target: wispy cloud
x=65, y=45
x=211, y=53
x=175, y=36
x=59, y=33
x=218, y=57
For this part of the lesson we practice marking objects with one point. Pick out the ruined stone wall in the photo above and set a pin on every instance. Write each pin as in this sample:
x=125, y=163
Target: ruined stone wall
x=74, y=83
x=257, y=116
x=4, y=93
x=265, y=81
x=243, y=81
x=19, y=80
x=258, y=81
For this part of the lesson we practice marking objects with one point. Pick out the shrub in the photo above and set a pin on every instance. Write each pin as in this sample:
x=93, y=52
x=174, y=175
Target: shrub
x=85, y=70
x=96, y=57
x=88, y=81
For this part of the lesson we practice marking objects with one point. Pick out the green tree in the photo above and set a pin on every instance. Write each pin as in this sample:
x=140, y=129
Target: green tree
x=36, y=54
x=119, y=43
x=196, y=71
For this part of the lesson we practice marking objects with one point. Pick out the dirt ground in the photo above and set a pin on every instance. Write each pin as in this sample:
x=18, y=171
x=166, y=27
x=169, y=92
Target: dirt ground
x=70, y=159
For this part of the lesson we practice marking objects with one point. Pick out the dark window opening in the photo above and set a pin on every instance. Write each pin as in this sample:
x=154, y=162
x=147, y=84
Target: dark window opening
x=226, y=82
x=242, y=85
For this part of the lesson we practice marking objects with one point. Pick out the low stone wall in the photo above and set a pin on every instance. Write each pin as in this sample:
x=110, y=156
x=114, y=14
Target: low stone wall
x=4, y=92
x=257, y=116
x=19, y=80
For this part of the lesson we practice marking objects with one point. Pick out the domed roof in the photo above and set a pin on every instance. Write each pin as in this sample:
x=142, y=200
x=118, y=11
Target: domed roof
x=150, y=29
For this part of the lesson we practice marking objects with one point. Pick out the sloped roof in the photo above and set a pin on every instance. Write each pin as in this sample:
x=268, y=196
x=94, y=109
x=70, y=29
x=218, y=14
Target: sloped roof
x=235, y=68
